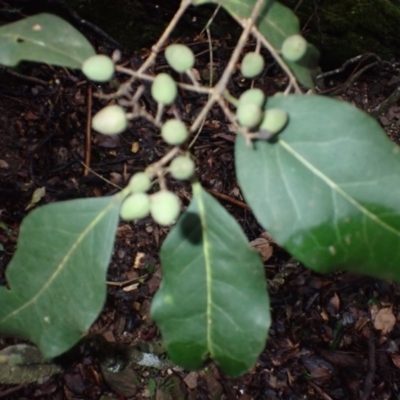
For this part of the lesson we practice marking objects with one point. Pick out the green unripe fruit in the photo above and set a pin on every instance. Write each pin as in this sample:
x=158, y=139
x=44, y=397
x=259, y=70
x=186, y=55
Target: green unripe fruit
x=111, y=120
x=294, y=47
x=252, y=65
x=255, y=96
x=139, y=183
x=135, y=206
x=174, y=132
x=98, y=68
x=164, y=89
x=249, y=114
x=179, y=57
x=182, y=167
x=165, y=207
x=275, y=119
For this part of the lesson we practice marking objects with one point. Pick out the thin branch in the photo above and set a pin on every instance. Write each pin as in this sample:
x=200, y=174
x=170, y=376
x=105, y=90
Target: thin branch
x=223, y=82
x=171, y=26
x=292, y=79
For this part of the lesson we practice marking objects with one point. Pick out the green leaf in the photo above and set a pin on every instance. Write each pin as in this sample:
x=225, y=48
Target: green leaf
x=57, y=275
x=43, y=38
x=276, y=22
x=212, y=301
x=328, y=188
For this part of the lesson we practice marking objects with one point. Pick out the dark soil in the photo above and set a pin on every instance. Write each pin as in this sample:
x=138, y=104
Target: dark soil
x=323, y=343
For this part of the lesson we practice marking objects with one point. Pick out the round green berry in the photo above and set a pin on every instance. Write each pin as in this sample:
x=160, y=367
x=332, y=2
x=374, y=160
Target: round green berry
x=139, y=183
x=182, y=167
x=99, y=68
x=164, y=89
x=255, y=96
x=164, y=207
x=111, y=120
x=174, y=132
x=252, y=65
x=179, y=57
x=249, y=114
x=135, y=206
x=294, y=47
x=274, y=120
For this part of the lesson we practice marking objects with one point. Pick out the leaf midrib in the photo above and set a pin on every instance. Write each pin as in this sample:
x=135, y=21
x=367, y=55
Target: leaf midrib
x=207, y=257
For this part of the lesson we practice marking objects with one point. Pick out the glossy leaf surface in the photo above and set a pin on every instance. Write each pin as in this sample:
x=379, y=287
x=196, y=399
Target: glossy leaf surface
x=43, y=38
x=56, y=278
x=212, y=301
x=328, y=188
x=276, y=22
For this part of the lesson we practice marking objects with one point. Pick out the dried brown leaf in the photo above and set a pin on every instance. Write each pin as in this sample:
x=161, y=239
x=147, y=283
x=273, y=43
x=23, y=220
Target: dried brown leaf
x=385, y=320
x=139, y=260
x=263, y=247
x=191, y=379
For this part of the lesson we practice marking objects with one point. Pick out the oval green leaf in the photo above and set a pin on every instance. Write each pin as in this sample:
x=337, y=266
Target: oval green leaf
x=212, y=301
x=328, y=189
x=43, y=38
x=57, y=275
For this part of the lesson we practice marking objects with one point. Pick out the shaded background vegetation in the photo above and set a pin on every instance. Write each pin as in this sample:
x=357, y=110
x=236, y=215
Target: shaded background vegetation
x=339, y=28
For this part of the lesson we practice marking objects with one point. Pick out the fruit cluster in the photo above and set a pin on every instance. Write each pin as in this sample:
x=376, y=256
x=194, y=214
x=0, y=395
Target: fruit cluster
x=164, y=206
x=250, y=109
x=250, y=114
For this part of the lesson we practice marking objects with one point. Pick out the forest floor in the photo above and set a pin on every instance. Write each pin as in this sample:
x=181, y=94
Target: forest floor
x=332, y=336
